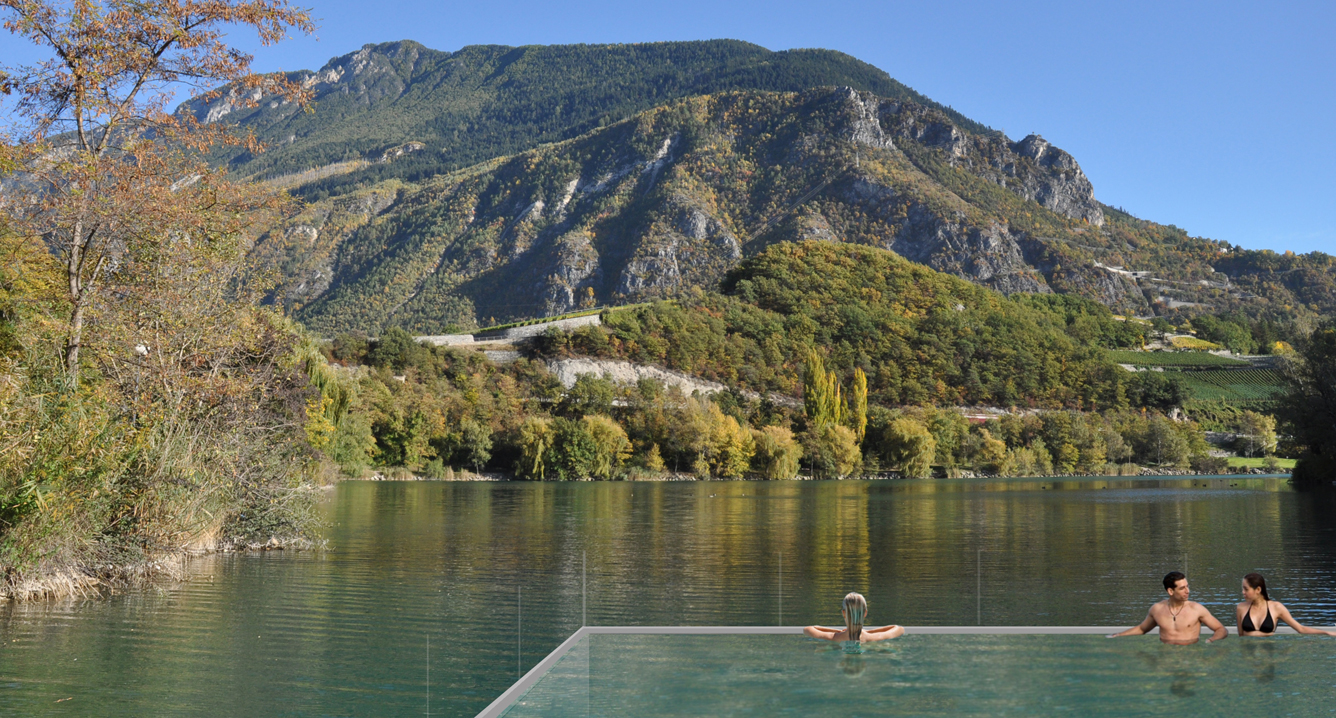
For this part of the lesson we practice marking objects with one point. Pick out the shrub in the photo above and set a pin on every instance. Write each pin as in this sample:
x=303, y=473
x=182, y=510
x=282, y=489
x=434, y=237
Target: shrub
x=832, y=451
x=778, y=454
x=1207, y=464
x=612, y=448
x=909, y=448
x=536, y=436
x=653, y=459
x=731, y=446
x=436, y=469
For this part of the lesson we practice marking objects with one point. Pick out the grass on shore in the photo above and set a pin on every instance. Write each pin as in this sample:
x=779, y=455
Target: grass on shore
x=1259, y=462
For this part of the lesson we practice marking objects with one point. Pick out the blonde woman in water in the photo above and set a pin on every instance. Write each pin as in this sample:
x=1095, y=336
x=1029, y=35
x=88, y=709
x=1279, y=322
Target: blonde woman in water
x=855, y=612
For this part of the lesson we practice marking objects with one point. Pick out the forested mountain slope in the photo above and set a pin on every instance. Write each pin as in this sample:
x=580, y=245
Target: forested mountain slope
x=435, y=203
x=675, y=196
x=434, y=111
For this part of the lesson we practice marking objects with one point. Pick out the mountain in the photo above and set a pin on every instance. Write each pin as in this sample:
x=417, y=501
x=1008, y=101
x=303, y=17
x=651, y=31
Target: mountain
x=434, y=111
x=404, y=228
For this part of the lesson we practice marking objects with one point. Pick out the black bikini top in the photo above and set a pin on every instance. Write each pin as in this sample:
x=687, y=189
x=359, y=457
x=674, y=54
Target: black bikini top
x=1268, y=624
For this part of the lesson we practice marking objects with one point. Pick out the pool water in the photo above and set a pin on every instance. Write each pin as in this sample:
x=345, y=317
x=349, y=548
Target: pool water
x=655, y=676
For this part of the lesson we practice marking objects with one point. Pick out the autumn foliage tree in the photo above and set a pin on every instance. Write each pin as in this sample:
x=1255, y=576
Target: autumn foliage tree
x=858, y=405
x=910, y=447
x=822, y=394
x=150, y=403
x=105, y=174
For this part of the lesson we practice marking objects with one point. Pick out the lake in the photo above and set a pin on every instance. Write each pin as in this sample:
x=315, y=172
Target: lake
x=433, y=596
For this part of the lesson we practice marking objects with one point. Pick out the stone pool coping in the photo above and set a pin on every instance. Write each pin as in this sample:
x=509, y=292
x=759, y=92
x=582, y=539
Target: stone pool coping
x=535, y=674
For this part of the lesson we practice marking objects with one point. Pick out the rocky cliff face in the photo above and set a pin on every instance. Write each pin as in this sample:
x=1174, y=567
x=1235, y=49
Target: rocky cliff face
x=486, y=101
x=306, y=248
x=860, y=115
x=373, y=75
x=1032, y=168
x=675, y=197
x=435, y=201
x=989, y=255
x=1054, y=180
x=685, y=247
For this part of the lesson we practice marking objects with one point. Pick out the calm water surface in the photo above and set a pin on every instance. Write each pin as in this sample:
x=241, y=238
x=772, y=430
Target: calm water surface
x=610, y=676
x=490, y=576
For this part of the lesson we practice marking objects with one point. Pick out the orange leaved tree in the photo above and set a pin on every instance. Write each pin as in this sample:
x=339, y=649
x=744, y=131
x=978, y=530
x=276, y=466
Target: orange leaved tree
x=101, y=170
x=122, y=261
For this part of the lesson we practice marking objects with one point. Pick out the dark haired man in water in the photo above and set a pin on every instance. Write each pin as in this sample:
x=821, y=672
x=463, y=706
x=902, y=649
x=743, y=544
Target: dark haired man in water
x=1179, y=619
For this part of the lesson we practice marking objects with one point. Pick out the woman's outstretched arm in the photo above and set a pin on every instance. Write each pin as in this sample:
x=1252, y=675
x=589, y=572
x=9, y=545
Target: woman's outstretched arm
x=829, y=634
x=883, y=633
x=1284, y=614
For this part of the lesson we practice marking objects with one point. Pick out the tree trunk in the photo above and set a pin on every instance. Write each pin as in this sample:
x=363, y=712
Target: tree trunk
x=72, y=347
x=74, y=271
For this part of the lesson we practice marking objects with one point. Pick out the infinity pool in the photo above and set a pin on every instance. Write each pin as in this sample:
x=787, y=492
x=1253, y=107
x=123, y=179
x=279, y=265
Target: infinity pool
x=925, y=675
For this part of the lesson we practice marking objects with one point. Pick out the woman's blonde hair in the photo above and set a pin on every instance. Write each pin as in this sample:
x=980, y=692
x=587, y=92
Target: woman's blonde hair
x=855, y=608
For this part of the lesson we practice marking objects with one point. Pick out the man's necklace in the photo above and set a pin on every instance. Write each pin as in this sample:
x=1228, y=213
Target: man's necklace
x=1175, y=615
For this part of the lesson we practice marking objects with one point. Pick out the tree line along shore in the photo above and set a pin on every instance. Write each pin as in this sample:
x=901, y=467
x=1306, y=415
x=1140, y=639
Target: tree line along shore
x=430, y=412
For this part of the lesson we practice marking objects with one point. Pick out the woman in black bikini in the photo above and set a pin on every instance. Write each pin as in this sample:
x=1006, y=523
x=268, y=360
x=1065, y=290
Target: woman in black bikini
x=1257, y=615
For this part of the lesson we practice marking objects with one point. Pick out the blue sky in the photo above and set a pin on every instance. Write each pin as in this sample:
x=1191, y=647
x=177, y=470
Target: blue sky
x=1216, y=117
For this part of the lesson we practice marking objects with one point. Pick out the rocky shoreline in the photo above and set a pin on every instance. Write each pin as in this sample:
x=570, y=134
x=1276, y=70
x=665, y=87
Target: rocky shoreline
x=497, y=476
x=104, y=579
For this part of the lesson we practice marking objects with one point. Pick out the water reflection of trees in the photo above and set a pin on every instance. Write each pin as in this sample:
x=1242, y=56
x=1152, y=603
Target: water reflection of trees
x=694, y=553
